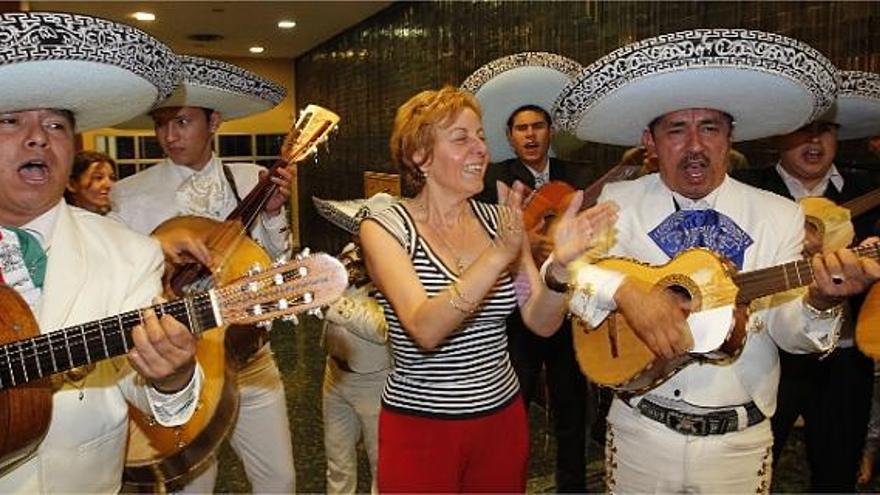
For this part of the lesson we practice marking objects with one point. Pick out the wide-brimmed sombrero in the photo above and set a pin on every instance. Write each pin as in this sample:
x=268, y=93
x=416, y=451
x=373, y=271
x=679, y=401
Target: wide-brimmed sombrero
x=857, y=108
x=508, y=83
x=347, y=214
x=768, y=83
x=101, y=71
x=233, y=91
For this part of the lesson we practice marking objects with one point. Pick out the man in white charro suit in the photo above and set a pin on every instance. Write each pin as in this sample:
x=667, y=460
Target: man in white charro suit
x=65, y=73
x=687, y=96
x=192, y=180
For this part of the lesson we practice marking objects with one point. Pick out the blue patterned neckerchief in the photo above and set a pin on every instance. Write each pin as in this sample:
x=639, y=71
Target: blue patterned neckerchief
x=701, y=228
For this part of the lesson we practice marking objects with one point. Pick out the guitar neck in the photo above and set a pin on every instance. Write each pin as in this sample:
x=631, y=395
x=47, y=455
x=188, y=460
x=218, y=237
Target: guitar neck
x=253, y=203
x=767, y=281
x=863, y=204
x=30, y=359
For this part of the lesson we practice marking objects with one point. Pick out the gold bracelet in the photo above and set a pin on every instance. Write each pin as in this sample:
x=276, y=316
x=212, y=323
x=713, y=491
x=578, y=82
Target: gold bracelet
x=457, y=301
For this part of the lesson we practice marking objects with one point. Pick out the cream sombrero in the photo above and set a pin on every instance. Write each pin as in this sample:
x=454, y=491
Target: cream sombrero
x=347, y=214
x=508, y=83
x=101, y=71
x=769, y=83
x=857, y=108
x=229, y=89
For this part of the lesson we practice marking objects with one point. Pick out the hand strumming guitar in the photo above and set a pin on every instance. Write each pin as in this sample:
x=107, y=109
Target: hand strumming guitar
x=658, y=317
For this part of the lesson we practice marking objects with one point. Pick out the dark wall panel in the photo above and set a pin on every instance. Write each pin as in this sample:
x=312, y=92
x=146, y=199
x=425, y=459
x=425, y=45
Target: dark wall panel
x=366, y=72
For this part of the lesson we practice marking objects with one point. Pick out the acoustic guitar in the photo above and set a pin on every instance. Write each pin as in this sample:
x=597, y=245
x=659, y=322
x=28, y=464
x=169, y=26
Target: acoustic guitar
x=612, y=355
x=833, y=224
x=28, y=358
x=151, y=458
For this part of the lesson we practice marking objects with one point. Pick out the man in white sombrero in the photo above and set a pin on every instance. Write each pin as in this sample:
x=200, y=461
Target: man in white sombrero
x=840, y=384
x=358, y=357
x=192, y=180
x=64, y=73
x=687, y=96
x=516, y=94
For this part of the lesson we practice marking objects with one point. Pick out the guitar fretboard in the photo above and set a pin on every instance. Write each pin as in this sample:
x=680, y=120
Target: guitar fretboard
x=760, y=283
x=37, y=357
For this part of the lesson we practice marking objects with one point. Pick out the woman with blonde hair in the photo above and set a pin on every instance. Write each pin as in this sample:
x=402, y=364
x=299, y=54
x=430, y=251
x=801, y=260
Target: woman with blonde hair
x=452, y=419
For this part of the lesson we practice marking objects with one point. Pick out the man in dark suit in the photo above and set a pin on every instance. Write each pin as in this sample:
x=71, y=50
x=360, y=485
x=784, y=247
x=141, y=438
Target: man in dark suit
x=529, y=131
x=832, y=392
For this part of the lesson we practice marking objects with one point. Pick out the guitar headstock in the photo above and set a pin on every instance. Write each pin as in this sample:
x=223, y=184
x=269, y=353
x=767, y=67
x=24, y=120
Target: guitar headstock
x=312, y=128
x=295, y=287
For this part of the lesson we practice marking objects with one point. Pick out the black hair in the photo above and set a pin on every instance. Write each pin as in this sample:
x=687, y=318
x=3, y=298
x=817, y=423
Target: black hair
x=529, y=108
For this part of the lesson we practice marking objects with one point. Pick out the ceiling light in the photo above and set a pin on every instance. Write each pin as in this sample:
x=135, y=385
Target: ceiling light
x=256, y=49
x=285, y=24
x=144, y=16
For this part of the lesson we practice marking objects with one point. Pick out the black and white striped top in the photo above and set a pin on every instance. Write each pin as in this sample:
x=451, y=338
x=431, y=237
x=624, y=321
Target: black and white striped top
x=467, y=375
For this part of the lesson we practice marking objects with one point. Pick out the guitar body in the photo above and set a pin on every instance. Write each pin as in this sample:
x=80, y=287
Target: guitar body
x=25, y=411
x=612, y=355
x=829, y=222
x=157, y=454
x=868, y=324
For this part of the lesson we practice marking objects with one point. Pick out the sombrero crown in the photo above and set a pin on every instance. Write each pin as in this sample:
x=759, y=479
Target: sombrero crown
x=857, y=108
x=508, y=83
x=101, y=71
x=233, y=91
x=768, y=83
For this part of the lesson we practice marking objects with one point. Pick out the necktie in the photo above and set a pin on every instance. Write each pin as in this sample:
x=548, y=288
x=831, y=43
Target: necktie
x=702, y=228
x=32, y=254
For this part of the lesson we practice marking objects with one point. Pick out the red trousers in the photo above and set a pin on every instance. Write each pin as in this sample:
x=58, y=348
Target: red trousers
x=483, y=454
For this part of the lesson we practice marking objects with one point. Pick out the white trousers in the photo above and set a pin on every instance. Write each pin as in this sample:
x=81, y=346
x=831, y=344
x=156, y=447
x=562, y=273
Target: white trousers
x=351, y=412
x=644, y=456
x=261, y=436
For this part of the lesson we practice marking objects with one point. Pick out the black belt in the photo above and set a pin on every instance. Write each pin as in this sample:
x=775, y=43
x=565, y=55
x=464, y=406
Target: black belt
x=716, y=422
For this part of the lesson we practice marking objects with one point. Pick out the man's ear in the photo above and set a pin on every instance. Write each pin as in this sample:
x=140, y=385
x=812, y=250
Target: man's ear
x=648, y=142
x=215, y=121
x=70, y=187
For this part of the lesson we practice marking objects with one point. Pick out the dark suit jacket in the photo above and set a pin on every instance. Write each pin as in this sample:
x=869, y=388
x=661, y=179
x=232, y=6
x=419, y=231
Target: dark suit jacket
x=856, y=183
x=578, y=175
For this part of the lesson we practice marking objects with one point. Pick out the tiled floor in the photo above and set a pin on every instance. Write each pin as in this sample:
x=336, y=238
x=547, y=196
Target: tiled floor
x=301, y=361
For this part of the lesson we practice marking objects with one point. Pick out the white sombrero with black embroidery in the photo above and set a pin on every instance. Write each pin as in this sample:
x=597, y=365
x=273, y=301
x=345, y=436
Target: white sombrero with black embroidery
x=101, y=71
x=229, y=89
x=347, y=214
x=857, y=109
x=508, y=83
x=769, y=84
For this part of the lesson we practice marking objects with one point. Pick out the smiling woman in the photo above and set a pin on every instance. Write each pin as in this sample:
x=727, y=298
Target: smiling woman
x=92, y=176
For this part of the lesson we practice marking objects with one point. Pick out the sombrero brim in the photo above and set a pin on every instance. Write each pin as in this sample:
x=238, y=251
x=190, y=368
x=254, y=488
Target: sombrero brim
x=347, y=214
x=769, y=84
x=508, y=83
x=226, y=88
x=857, y=108
x=102, y=71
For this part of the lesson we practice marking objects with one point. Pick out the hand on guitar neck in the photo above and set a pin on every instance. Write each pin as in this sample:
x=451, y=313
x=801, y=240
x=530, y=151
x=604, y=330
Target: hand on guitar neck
x=283, y=180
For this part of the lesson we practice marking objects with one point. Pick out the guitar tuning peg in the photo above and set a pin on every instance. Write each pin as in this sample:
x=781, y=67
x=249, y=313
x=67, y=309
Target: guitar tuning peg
x=317, y=313
x=255, y=269
x=281, y=260
x=282, y=304
x=303, y=254
x=291, y=318
x=265, y=324
x=278, y=279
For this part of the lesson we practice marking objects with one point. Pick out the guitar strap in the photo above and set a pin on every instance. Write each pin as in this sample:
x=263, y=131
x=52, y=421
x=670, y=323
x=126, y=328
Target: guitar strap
x=227, y=172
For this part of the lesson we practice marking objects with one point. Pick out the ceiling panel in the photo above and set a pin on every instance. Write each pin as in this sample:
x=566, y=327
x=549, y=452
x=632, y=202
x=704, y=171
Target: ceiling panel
x=240, y=24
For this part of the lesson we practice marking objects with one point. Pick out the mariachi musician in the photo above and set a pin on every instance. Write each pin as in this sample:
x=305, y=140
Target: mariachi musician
x=824, y=389
x=63, y=74
x=192, y=180
x=516, y=93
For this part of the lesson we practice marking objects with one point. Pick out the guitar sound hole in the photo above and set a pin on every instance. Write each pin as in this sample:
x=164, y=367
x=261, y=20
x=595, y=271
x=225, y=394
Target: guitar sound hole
x=681, y=295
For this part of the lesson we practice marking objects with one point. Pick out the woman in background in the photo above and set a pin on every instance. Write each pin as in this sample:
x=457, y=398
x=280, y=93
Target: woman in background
x=92, y=176
x=452, y=418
